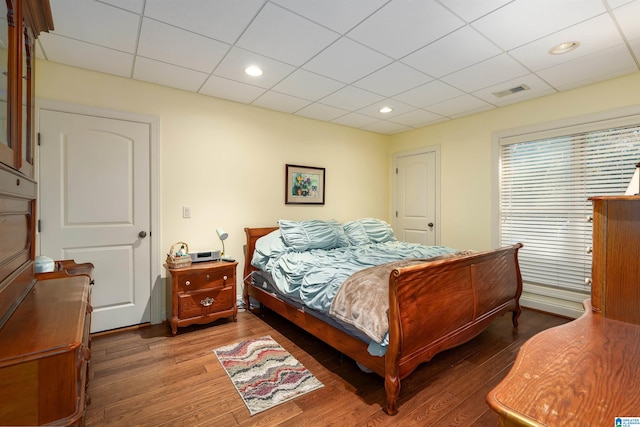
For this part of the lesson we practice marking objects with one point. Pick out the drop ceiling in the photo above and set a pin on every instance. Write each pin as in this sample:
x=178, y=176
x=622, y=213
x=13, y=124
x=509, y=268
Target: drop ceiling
x=340, y=61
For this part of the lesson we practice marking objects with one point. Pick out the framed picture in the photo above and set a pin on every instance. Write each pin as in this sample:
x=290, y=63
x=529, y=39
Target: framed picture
x=304, y=185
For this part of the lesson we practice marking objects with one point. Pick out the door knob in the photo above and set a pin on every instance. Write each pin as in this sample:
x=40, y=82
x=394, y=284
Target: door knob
x=142, y=234
x=430, y=225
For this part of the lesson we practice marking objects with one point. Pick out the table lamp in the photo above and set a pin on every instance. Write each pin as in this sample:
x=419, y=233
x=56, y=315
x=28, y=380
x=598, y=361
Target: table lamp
x=223, y=236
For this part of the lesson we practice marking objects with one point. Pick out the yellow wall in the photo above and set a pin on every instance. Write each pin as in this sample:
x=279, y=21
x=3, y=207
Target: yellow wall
x=227, y=161
x=467, y=163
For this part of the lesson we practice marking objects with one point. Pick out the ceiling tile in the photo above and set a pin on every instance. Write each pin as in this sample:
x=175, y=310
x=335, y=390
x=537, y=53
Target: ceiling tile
x=594, y=35
x=537, y=87
x=285, y=36
x=417, y=118
x=627, y=17
x=523, y=21
x=280, y=102
x=470, y=10
x=385, y=127
x=338, y=15
x=135, y=6
x=347, y=61
x=231, y=90
x=401, y=27
x=308, y=85
x=351, y=98
x=321, y=112
x=429, y=94
x=607, y=64
x=392, y=79
x=86, y=55
x=453, y=52
x=398, y=107
x=223, y=20
x=160, y=73
x=487, y=73
x=635, y=47
x=97, y=23
x=166, y=43
x=354, y=120
x=459, y=106
x=233, y=65
x=617, y=3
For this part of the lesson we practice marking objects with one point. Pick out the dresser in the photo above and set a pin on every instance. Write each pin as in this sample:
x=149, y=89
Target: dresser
x=586, y=371
x=201, y=293
x=615, y=292
x=44, y=355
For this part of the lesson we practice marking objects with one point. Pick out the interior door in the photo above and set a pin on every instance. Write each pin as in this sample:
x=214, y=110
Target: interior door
x=95, y=207
x=416, y=198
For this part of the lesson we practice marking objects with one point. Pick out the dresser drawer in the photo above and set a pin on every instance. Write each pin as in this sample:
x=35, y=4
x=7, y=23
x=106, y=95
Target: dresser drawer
x=201, y=303
x=213, y=278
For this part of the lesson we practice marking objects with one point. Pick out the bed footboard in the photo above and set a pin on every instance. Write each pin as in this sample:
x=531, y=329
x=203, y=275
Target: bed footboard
x=441, y=304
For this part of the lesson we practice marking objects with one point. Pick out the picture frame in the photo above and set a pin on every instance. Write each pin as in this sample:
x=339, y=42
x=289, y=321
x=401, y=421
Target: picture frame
x=304, y=185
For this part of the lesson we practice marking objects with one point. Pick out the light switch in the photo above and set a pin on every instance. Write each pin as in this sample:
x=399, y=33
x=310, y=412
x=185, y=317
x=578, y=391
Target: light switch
x=186, y=212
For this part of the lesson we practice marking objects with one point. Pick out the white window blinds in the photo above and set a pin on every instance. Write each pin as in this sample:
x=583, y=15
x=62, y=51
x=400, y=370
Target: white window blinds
x=544, y=186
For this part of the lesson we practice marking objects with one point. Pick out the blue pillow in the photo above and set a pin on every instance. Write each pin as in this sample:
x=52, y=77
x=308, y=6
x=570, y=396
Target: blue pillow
x=356, y=233
x=305, y=235
x=343, y=239
x=267, y=248
x=378, y=230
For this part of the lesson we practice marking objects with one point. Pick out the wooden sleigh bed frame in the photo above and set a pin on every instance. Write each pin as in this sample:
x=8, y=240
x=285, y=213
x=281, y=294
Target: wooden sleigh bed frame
x=433, y=306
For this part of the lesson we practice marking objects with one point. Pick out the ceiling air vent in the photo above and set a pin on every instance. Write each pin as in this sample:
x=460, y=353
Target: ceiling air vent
x=511, y=91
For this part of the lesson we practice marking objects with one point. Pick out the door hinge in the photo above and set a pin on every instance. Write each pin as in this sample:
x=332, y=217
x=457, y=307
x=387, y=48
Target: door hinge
x=38, y=138
x=396, y=214
x=396, y=171
x=39, y=226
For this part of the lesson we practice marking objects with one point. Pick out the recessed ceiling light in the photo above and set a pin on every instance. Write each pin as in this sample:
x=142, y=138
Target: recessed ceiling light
x=253, y=71
x=564, y=48
x=385, y=110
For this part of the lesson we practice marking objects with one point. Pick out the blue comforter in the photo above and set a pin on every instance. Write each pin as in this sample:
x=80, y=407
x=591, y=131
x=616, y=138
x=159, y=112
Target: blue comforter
x=313, y=277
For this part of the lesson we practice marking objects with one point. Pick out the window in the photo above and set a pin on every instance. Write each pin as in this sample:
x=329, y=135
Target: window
x=545, y=181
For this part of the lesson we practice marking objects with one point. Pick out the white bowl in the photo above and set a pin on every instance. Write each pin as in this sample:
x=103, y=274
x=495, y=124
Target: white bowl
x=44, y=264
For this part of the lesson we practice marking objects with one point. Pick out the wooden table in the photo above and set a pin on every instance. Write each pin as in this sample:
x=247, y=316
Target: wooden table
x=583, y=373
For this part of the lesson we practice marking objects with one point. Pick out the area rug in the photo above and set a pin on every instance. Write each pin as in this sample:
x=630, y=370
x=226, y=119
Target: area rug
x=264, y=373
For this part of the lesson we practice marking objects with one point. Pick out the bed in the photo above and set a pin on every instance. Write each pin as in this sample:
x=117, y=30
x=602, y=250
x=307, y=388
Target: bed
x=432, y=303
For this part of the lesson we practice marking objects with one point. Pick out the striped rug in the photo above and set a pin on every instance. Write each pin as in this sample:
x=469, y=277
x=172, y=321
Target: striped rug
x=264, y=373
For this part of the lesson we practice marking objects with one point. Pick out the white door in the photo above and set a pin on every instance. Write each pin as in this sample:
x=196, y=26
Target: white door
x=95, y=207
x=416, y=198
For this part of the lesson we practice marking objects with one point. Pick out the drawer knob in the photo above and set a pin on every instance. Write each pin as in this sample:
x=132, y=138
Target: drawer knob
x=224, y=278
x=187, y=283
x=207, y=277
x=207, y=301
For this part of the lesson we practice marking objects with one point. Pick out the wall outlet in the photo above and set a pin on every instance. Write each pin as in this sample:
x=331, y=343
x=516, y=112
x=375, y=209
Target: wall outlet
x=186, y=212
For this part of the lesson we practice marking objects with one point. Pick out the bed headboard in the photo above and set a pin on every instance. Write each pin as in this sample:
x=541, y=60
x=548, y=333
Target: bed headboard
x=253, y=234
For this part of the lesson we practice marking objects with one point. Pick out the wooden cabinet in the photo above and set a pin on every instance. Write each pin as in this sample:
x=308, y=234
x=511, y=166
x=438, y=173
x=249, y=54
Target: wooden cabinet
x=615, y=289
x=24, y=20
x=201, y=293
x=44, y=355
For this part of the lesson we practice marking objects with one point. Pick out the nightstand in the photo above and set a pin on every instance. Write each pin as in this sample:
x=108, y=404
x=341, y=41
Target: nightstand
x=201, y=293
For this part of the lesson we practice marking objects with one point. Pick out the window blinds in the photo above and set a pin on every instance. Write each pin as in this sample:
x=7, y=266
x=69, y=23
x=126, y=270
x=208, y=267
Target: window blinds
x=544, y=186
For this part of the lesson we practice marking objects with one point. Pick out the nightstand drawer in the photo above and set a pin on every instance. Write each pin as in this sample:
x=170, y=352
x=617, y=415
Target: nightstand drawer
x=201, y=303
x=217, y=278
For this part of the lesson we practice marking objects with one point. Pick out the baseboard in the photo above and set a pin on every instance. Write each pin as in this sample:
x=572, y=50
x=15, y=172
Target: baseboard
x=558, y=301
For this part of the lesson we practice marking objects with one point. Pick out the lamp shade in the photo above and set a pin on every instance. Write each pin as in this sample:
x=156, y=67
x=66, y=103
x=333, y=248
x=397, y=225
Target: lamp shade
x=634, y=185
x=221, y=233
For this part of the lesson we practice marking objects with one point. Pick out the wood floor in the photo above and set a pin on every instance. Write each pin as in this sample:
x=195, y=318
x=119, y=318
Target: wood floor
x=146, y=377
